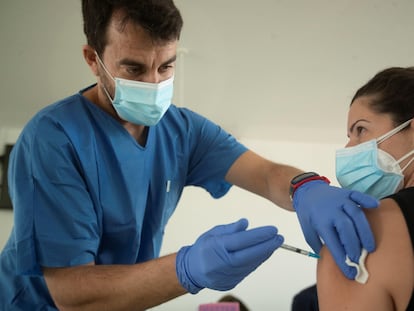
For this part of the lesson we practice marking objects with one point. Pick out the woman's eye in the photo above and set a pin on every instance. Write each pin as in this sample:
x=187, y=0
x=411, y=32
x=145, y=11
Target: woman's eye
x=359, y=130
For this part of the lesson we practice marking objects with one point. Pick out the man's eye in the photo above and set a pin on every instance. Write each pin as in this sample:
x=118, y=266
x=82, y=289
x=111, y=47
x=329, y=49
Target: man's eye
x=133, y=70
x=166, y=68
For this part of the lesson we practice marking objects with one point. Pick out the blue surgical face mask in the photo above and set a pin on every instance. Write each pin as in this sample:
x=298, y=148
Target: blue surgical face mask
x=140, y=102
x=370, y=170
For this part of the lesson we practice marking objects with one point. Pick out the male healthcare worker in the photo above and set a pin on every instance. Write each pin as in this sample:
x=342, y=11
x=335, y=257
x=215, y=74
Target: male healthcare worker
x=95, y=177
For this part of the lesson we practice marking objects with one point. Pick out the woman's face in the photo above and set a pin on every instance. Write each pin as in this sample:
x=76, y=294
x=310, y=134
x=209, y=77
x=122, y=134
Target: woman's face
x=365, y=124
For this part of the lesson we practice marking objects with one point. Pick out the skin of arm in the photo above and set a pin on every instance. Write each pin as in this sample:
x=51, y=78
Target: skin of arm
x=391, y=268
x=263, y=177
x=114, y=287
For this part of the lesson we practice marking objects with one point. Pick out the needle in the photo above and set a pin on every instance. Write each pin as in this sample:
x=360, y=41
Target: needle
x=300, y=251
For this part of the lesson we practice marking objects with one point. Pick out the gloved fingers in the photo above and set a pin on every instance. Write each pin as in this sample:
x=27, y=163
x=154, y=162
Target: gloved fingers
x=332, y=241
x=363, y=230
x=234, y=227
x=347, y=232
x=364, y=200
x=243, y=239
x=254, y=255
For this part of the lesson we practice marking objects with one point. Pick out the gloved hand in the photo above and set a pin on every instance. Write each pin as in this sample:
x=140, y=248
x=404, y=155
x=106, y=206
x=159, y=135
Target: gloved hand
x=225, y=255
x=334, y=215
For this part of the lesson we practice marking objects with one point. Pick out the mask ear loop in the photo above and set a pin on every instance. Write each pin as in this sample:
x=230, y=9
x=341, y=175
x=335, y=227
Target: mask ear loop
x=405, y=157
x=107, y=72
x=393, y=131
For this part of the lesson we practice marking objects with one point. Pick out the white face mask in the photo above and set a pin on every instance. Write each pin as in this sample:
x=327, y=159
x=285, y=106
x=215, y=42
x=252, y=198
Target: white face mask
x=140, y=102
x=370, y=170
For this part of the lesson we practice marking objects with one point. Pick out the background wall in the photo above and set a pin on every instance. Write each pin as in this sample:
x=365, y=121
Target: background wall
x=278, y=75
x=279, y=70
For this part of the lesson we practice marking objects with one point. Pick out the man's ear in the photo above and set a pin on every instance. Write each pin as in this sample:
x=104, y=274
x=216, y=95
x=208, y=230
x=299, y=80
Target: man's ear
x=90, y=57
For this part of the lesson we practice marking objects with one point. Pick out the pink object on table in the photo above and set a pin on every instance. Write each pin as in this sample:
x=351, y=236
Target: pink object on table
x=219, y=306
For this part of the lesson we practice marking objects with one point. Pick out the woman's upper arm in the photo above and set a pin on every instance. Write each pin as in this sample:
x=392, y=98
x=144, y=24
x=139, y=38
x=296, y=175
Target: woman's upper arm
x=390, y=268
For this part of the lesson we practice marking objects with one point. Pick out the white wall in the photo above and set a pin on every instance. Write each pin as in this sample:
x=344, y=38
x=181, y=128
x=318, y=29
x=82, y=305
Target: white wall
x=284, y=68
x=7, y=136
x=6, y=224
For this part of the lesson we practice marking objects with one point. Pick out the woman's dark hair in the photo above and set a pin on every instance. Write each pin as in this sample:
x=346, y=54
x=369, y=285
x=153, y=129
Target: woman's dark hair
x=160, y=18
x=392, y=92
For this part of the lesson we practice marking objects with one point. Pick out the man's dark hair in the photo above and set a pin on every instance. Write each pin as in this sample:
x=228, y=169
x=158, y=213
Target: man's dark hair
x=159, y=18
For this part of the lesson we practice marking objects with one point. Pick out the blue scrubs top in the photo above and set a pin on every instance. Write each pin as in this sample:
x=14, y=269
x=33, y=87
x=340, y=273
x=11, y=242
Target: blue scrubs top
x=83, y=190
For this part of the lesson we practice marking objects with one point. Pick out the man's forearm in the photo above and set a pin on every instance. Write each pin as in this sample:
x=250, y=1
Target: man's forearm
x=263, y=177
x=114, y=287
x=279, y=178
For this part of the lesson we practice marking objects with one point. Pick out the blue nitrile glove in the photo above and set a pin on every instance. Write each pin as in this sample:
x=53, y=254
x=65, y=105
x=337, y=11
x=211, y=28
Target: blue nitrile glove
x=225, y=255
x=334, y=215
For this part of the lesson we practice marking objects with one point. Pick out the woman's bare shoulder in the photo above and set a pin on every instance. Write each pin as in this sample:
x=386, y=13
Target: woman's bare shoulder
x=393, y=260
x=390, y=267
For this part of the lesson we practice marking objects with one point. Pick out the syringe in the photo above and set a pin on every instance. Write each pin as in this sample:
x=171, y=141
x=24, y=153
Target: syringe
x=300, y=251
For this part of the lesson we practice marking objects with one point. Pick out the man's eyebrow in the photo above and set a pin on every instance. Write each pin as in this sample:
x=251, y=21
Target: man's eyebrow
x=171, y=60
x=131, y=62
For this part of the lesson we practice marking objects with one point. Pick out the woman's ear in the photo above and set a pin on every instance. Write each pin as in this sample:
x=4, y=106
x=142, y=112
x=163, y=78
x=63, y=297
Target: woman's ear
x=410, y=127
x=89, y=55
x=411, y=131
